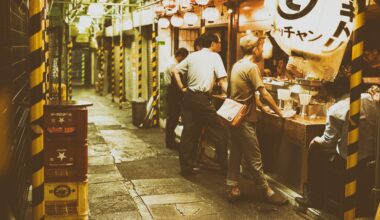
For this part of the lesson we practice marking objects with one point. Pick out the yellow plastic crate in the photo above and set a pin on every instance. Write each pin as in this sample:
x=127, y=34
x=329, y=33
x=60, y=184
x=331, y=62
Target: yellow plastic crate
x=65, y=201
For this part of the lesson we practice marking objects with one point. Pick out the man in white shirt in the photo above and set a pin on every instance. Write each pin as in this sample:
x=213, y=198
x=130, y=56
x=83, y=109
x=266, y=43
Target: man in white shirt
x=330, y=148
x=203, y=68
x=173, y=97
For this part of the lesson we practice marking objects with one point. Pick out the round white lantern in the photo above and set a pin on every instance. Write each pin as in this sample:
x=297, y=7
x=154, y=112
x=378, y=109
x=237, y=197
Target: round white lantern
x=176, y=21
x=159, y=10
x=163, y=23
x=190, y=18
x=202, y=2
x=318, y=30
x=185, y=5
x=211, y=14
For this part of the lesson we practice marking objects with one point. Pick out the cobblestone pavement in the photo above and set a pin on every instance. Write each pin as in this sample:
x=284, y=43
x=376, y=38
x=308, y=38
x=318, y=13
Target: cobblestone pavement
x=133, y=176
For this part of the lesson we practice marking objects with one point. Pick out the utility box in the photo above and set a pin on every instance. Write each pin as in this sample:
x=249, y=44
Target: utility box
x=66, y=159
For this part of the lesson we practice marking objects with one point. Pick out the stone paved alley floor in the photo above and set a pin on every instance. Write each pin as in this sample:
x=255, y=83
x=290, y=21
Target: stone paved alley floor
x=133, y=176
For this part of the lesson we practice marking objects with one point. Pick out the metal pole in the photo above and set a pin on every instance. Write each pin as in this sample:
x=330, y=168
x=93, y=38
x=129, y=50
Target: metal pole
x=353, y=135
x=139, y=80
x=121, y=65
x=154, y=77
x=113, y=62
x=69, y=70
x=36, y=67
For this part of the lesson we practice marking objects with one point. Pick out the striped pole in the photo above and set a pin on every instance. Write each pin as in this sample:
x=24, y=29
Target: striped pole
x=69, y=70
x=101, y=78
x=83, y=69
x=121, y=73
x=36, y=68
x=45, y=24
x=113, y=70
x=139, y=80
x=154, y=78
x=353, y=135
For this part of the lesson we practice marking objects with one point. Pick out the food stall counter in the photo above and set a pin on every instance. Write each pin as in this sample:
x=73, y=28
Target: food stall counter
x=284, y=144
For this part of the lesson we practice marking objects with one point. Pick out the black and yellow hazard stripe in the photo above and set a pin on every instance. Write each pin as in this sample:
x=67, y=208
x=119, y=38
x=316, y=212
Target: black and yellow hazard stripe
x=121, y=73
x=36, y=68
x=113, y=69
x=45, y=50
x=83, y=68
x=353, y=135
x=154, y=79
x=70, y=70
x=139, y=68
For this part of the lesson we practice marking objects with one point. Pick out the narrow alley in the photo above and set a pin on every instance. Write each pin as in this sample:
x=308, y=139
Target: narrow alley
x=189, y=109
x=132, y=175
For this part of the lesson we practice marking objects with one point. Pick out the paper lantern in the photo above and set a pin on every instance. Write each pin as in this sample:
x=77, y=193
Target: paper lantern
x=185, y=5
x=176, y=21
x=211, y=14
x=190, y=18
x=95, y=9
x=202, y=2
x=169, y=4
x=316, y=29
x=163, y=23
x=159, y=10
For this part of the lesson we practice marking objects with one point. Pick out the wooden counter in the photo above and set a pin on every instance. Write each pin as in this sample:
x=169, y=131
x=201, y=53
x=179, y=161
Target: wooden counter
x=284, y=144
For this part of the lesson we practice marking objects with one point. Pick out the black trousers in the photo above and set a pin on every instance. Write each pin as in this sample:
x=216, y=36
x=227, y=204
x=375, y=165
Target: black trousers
x=174, y=101
x=199, y=112
x=320, y=158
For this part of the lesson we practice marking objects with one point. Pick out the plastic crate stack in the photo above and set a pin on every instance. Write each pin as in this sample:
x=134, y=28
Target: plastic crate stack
x=66, y=161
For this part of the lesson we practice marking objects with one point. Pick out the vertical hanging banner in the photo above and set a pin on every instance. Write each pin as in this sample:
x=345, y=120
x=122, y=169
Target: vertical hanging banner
x=83, y=68
x=317, y=30
x=155, y=79
x=36, y=69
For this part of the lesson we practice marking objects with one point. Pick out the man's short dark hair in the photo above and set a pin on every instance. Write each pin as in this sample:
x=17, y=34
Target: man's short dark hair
x=208, y=38
x=181, y=52
x=339, y=87
x=198, y=42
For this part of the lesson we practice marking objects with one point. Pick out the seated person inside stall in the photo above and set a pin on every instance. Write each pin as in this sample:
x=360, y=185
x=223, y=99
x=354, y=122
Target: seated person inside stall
x=371, y=67
x=281, y=71
x=329, y=150
x=296, y=67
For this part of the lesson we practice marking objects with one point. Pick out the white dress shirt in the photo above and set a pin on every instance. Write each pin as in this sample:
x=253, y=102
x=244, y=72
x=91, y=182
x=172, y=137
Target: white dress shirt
x=202, y=67
x=337, y=124
x=168, y=70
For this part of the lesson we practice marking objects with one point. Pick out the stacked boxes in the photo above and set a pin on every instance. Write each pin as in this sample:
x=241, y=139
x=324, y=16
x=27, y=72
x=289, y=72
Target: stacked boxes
x=66, y=160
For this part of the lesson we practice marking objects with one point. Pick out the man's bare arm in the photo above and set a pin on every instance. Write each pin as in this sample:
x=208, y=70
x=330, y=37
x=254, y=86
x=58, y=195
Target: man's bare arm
x=223, y=82
x=178, y=80
x=272, y=104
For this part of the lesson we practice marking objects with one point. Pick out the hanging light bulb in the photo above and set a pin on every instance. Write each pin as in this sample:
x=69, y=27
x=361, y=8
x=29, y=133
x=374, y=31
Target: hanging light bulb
x=169, y=4
x=202, y=2
x=163, y=23
x=211, y=14
x=190, y=18
x=176, y=21
x=267, y=49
